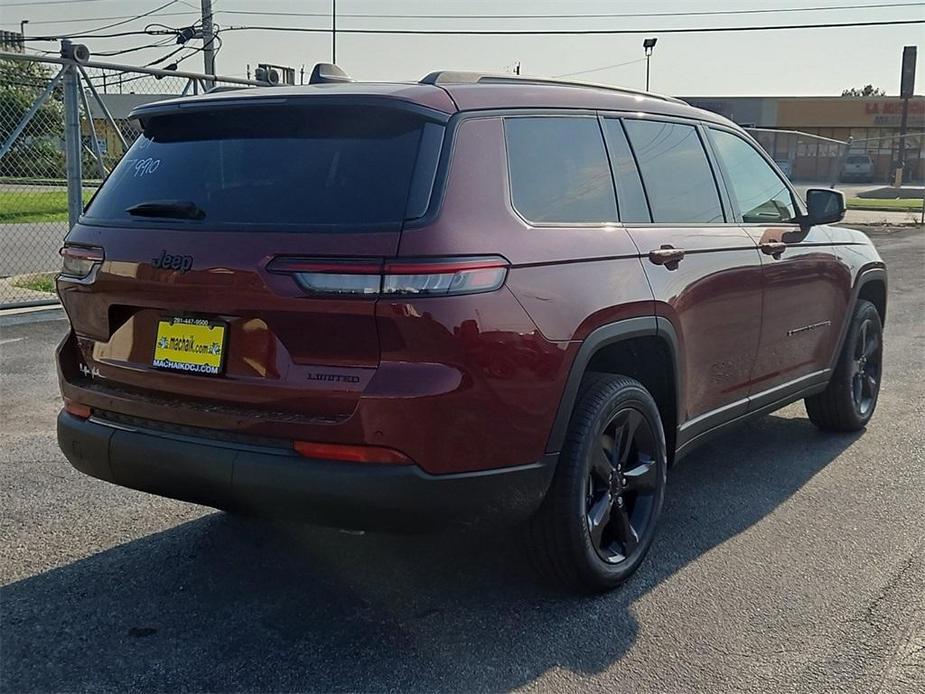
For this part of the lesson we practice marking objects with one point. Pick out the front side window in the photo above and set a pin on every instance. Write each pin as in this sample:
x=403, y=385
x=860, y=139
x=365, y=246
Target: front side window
x=676, y=172
x=559, y=171
x=760, y=194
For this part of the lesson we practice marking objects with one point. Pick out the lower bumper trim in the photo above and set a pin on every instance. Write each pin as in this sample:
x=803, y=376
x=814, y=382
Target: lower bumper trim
x=277, y=482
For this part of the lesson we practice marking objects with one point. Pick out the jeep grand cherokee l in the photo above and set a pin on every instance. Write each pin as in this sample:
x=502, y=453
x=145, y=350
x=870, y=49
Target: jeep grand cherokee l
x=471, y=298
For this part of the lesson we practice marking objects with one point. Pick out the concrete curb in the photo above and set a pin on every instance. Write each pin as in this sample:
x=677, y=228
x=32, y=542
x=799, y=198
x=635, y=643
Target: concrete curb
x=30, y=314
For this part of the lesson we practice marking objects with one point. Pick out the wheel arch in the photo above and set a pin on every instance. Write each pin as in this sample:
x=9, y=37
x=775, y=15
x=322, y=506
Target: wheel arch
x=872, y=288
x=871, y=285
x=644, y=348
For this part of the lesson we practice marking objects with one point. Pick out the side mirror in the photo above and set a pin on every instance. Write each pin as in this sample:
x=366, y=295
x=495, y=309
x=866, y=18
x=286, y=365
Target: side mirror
x=824, y=206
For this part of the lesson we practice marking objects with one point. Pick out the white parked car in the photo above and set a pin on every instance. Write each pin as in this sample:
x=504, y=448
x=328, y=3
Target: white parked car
x=858, y=166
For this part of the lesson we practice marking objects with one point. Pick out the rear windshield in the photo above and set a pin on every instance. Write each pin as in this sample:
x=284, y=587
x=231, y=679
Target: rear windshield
x=269, y=166
x=858, y=159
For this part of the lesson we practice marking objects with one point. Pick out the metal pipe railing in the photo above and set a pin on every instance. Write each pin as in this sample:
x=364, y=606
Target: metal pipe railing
x=154, y=72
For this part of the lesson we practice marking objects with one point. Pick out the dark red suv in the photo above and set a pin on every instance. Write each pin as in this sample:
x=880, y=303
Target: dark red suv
x=472, y=298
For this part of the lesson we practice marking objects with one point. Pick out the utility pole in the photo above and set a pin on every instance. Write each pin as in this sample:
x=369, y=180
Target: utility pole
x=208, y=38
x=906, y=90
x=334, y=31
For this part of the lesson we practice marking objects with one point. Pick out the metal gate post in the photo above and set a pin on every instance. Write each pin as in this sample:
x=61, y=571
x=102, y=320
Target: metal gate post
x=72, y=143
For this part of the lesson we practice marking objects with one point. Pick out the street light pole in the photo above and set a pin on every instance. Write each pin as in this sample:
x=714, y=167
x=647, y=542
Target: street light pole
x=648, y=45
x=22, y=34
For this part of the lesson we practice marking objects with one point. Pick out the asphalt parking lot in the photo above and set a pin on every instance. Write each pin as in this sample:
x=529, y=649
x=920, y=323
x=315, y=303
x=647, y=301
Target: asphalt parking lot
x=788, y=560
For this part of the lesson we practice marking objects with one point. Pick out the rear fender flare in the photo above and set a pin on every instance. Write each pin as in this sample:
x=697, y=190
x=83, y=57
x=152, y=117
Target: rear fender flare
x=612, y=333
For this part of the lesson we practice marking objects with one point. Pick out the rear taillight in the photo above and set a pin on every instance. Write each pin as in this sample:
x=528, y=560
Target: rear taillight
x=444, y=277
x=77, y=262
x=418, y=277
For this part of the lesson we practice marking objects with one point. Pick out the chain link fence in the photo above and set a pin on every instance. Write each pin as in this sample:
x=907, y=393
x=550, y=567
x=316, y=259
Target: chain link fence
x=865, y=168
x=39, y=129
x=814, y=159
x=804, y=157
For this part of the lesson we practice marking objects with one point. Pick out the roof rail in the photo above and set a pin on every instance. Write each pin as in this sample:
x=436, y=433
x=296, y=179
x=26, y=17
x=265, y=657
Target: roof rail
x=442, y=77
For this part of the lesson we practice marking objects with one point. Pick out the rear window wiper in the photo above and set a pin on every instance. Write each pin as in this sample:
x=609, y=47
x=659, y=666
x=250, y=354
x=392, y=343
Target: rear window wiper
x=174, y=209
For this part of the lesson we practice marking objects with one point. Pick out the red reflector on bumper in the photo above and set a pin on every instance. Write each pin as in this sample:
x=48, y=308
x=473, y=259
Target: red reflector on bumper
x=77, y=409
x=354, y=454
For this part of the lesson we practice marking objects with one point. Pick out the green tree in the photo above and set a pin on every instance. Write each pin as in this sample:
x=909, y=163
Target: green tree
x=37, y=152
x=866, y=90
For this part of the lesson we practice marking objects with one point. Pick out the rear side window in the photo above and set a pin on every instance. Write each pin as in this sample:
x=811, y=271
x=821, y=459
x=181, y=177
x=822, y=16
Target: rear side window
x=760, y=194
x=631, y=197
x=676, y=172
x=269, y=166
x=559, y=171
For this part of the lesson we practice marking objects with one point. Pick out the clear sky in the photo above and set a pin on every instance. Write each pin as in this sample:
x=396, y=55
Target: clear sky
x=792, y=62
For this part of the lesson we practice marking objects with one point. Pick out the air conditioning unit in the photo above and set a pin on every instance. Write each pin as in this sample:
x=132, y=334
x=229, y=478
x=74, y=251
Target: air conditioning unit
x=274, y=74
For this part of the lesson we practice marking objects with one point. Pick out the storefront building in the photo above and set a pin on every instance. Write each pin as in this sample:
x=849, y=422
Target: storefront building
x=868, y=125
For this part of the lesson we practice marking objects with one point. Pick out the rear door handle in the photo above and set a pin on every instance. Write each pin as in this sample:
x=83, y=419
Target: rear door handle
x=773, y=248
x=669, y=256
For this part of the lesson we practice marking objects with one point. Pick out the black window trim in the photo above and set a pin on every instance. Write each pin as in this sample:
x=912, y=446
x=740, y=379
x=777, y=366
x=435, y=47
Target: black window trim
x=724, y=173
x=502, y=112
x=563, y=113
x=425, y=170
x=602, y=116
x=718, y=181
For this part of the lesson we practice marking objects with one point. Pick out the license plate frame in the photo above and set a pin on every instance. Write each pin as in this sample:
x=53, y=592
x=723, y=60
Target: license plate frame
x=190, y=345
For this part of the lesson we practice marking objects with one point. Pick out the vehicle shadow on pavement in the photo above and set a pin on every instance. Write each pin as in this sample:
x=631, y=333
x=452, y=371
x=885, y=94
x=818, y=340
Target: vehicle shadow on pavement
x=222, y=604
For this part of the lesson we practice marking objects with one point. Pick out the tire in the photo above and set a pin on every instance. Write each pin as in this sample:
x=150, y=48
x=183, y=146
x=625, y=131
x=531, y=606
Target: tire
x=598, y=519
x=849, y=401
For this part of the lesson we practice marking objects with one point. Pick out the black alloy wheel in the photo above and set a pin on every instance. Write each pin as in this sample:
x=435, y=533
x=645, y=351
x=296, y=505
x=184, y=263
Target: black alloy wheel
x=849, y=400
x=621, y=485
x=865, y=384
x=599, y=516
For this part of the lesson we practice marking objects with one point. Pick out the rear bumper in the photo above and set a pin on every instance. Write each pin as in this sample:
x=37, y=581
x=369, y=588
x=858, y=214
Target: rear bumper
x=277, y=482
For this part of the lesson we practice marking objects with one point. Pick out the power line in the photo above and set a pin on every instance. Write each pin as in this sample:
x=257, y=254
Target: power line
x=626, y=15
x=135, y=49
x=99, y=19
x=100, y=36
x=599, y=69
x=194, y=50
x=172, y=53
x=50, y=2
x=577, y=32
x=704, y=13
x=91, y=33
